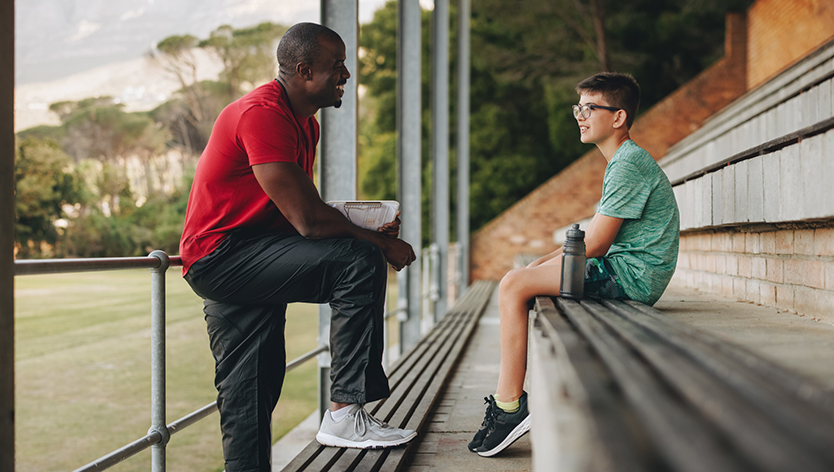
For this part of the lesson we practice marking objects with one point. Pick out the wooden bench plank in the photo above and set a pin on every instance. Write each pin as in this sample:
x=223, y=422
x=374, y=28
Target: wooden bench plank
x=746, y=427
x=415, y=382
x=790, y=424
x=703, y=403
x=587, y=424
x=685, y=441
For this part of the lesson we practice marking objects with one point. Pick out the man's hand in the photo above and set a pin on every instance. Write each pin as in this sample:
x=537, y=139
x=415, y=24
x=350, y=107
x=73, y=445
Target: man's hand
x=392, y=229
x=292, y=191
x=397, y=252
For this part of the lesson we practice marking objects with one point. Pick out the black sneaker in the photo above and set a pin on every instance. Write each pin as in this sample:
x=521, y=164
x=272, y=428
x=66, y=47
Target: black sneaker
x=489, y=419
x=506, y=428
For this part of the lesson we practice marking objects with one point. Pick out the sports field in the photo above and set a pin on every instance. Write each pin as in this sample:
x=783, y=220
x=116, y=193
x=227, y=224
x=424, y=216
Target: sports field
x=82, y=344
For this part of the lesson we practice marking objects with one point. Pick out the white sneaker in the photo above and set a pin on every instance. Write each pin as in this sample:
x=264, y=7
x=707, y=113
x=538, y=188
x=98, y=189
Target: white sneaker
x=360, y=430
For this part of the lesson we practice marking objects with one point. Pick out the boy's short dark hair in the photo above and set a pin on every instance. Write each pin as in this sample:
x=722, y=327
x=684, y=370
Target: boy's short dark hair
x=618, y=89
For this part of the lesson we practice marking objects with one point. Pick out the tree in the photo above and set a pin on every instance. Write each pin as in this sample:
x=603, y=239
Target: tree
x=524, y=66
x=44, y=185
x=248, y=55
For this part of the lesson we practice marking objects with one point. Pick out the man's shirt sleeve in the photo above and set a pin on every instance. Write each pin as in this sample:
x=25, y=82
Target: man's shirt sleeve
x=267, y=135
x=624, y=191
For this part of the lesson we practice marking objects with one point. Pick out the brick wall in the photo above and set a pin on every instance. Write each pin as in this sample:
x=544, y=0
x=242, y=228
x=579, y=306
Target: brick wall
x=570, y=196
x=791, y=269
x=784, y=31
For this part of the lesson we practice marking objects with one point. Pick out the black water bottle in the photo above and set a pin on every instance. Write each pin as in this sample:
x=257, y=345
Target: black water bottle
x=573, y=264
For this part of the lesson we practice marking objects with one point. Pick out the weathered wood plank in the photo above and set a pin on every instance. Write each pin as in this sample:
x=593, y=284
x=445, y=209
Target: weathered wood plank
x=415, y=381
x=684, y=440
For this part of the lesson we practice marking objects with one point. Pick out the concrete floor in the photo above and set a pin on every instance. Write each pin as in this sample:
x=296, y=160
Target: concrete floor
x=792, y=340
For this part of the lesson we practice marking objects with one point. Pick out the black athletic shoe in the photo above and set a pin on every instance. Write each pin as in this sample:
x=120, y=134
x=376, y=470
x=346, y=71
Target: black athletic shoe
x=506, y=429
x=489, y=419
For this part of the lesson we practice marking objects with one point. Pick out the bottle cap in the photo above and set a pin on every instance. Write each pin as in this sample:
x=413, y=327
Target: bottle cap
x=575, y=233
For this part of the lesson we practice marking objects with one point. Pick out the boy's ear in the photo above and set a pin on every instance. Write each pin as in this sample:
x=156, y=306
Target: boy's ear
x=620, y=118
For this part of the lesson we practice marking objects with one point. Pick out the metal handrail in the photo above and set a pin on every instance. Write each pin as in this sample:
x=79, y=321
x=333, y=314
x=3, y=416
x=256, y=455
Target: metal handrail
x=159, y=433
x=149, y=440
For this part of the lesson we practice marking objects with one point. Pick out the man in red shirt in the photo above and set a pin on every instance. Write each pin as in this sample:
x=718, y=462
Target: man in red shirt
x=258, y=236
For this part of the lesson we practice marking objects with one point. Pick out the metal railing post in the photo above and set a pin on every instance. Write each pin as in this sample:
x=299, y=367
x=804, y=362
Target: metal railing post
x=464, y=13
x=440, y=144
x=158, y=420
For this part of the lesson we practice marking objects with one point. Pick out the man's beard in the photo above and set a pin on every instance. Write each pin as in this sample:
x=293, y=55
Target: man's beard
x=337, y=104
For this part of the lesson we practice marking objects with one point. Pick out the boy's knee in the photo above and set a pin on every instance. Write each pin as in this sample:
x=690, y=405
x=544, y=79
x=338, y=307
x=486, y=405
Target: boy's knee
x=510, y=282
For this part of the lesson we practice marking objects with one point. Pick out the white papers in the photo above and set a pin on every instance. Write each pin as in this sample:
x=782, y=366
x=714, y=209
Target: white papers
x=368, y=214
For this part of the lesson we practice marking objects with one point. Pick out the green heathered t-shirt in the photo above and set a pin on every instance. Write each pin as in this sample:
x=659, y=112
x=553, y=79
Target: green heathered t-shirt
x=645, y=251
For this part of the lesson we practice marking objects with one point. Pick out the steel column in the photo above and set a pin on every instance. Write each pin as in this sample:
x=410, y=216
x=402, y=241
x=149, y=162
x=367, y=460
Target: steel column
x=409, y=164
x=337, y=158
x=463, y=144
x=158, y=407
x=440, y=144
x=7, y=236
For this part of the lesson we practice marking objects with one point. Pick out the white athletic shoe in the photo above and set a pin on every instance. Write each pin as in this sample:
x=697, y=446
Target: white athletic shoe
x=360, y=430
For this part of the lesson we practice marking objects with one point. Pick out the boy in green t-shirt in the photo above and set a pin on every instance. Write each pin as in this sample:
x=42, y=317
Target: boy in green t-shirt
x=631, y=246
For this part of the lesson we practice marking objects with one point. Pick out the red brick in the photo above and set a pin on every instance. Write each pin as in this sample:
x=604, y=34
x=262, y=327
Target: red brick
x=784, y=297
x=740, y=289
x=775, y=270
x=803, y=242
x=732, y=265
x=720, y=264
x=813, y=271
x=793, y=272
x=769, y=242
x=727, y=286
x=753, y=243
x=753, y=289
x=759, y=268
x=767, y=293
x=738, y=242
x=722, y=242
x=824, y=242
x=745, y=266
x=829, y=275
x=784, y=242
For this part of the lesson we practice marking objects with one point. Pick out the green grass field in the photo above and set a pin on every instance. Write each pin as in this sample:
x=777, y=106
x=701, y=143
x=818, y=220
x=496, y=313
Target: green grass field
x=83, y=371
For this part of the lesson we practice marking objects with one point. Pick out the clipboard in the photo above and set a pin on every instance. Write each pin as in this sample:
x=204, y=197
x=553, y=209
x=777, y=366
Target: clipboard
x=368, y=214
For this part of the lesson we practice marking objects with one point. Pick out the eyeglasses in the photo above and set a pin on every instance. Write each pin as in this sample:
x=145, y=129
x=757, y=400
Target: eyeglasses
x=585, y=110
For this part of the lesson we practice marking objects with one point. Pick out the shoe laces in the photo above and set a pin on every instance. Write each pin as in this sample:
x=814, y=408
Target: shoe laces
x=362, y=421
x=491, y=414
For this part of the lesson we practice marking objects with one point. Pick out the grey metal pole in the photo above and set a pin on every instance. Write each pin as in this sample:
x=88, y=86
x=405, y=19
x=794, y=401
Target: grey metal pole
x=7, y=236
x=440, y=144
x=463, y=143
x=409, y=186
x=158, y=407
x=337, y=158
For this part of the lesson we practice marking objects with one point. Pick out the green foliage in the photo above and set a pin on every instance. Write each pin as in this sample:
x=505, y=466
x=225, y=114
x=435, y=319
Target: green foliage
x=248, y=54
x=44, y=183
x=526, y=59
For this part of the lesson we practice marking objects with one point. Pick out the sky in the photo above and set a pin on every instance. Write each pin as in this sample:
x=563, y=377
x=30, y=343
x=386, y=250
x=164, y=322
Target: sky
x=58, y=38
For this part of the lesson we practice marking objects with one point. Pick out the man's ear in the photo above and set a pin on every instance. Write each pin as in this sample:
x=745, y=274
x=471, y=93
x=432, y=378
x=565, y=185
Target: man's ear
x=304, y=71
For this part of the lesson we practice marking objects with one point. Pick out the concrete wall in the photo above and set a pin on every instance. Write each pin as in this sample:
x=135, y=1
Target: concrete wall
x=754, y=189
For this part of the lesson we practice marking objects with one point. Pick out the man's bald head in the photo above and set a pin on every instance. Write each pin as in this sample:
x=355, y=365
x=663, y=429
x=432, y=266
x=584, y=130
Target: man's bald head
x=301, y=44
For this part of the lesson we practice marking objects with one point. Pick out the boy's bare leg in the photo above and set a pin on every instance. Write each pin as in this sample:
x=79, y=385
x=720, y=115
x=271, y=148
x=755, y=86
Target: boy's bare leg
x=517, y=288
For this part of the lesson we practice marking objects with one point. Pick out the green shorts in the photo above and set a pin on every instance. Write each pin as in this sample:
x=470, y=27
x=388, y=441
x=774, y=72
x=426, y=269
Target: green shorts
x=601, y=281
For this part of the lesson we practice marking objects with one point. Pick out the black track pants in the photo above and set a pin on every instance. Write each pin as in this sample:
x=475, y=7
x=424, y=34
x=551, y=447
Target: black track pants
x=247, y=283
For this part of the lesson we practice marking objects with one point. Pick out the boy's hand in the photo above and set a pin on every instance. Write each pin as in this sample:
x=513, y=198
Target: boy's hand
x=392, y=229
